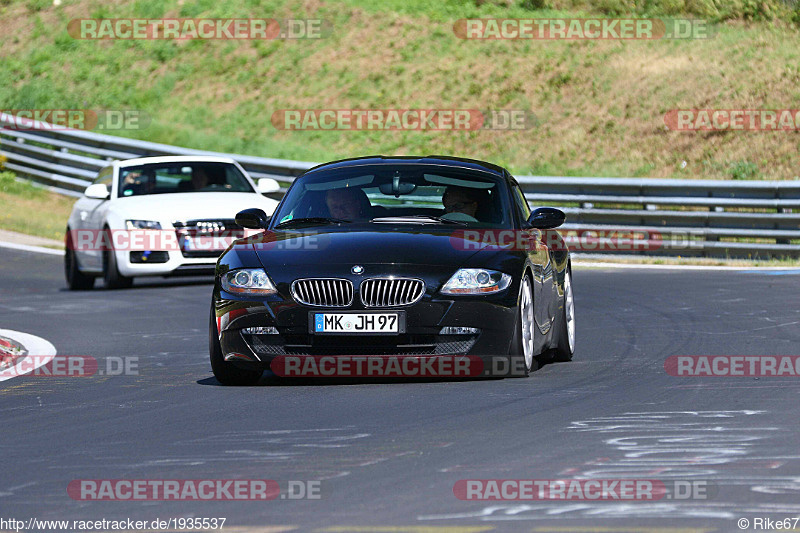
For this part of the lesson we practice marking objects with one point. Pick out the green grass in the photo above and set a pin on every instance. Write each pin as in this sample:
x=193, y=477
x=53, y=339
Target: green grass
x=599, y=104
x=9, y=185
x=27, y=209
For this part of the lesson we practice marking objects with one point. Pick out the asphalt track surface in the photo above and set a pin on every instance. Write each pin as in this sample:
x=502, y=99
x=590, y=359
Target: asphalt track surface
x=388, y=454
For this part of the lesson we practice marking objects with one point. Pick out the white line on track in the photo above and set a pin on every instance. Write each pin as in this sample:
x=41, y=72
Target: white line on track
x=600, y=264
x=42, y=350
x=29, y=248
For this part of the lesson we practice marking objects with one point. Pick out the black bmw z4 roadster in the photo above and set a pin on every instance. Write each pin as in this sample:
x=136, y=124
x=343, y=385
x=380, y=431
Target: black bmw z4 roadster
x=425, y=258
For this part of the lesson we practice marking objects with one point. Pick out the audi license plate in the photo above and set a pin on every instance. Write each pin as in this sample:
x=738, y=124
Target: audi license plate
x=358, y=323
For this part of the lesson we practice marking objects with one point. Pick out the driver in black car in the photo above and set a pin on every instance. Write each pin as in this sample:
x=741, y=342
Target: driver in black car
x=347, y=203
x=461, y=203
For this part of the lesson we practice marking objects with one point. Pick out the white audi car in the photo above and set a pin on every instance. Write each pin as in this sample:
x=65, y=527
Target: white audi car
x=158, y=216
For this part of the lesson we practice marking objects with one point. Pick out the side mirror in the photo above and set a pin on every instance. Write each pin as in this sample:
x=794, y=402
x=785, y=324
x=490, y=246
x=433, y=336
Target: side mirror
x=252, y=218
x=268, y=185
x=97, y=191
x=547, y=218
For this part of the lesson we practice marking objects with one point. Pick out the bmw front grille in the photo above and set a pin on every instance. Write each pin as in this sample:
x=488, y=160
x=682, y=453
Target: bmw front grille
x=375, y=292
x=323, y=292
x=391, y=292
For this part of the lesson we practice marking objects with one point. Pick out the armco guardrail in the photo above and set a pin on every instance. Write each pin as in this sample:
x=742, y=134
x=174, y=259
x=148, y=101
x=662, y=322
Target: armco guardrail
x=67, y=160
x=738, y=219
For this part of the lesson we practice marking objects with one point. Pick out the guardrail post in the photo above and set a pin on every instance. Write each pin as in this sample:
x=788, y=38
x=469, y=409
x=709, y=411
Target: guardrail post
x=781, y=210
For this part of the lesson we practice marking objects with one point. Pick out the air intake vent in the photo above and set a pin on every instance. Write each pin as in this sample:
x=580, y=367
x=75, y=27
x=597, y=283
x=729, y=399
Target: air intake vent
x=391, y=292
x=323, y=292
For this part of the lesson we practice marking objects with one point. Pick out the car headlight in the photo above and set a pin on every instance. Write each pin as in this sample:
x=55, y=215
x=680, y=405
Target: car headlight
x=142, y=224
x=476, y=281
x=248, y=281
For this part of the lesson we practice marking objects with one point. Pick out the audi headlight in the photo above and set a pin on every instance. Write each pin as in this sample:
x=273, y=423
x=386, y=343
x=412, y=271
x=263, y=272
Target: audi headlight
x=476, y=281
x=248, y=281
x=142, y=224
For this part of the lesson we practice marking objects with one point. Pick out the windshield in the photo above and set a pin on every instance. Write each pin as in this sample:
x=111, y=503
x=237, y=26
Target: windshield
x=420, y=194
x=162, y=178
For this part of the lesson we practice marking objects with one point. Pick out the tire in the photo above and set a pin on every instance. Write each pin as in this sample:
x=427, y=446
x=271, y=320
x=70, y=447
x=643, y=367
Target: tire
x=225, y=372
x=76, y=280
x=522, y=345
x=112, y=279
x=566, y=337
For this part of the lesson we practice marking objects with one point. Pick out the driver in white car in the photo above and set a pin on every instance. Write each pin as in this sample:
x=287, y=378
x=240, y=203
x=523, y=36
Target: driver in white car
x=199, y=178
x=139, y=182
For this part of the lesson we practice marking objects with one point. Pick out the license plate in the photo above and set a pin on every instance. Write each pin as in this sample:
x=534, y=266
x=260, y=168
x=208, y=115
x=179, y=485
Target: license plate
x=358, y=323
x=205, y=243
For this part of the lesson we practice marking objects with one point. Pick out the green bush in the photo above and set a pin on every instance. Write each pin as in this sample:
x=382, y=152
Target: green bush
x=743, y=170
x=616, y=7
x=10, y=185
x=37, y=5
x=665, y=7
x=702, y=8
x=535, y=4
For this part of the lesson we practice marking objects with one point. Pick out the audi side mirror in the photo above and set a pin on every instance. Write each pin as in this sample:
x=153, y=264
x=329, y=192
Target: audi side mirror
x=97, y=191
x=268, y=185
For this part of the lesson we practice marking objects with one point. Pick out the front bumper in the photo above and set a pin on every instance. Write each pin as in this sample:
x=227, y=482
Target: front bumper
x=495, y=319
x=130, y=264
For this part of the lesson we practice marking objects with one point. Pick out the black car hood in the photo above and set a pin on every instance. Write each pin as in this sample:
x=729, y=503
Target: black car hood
x=417, y=246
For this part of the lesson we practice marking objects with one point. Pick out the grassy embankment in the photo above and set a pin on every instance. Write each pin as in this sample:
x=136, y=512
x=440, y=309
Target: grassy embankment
x=32, y=210
x=599, y=104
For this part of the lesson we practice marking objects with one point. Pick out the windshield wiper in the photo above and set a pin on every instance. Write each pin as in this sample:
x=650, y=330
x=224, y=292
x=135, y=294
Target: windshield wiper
x=423, y=219
x=312, y=221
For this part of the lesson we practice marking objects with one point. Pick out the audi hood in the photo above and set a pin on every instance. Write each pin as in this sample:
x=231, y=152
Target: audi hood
x=190, y=206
